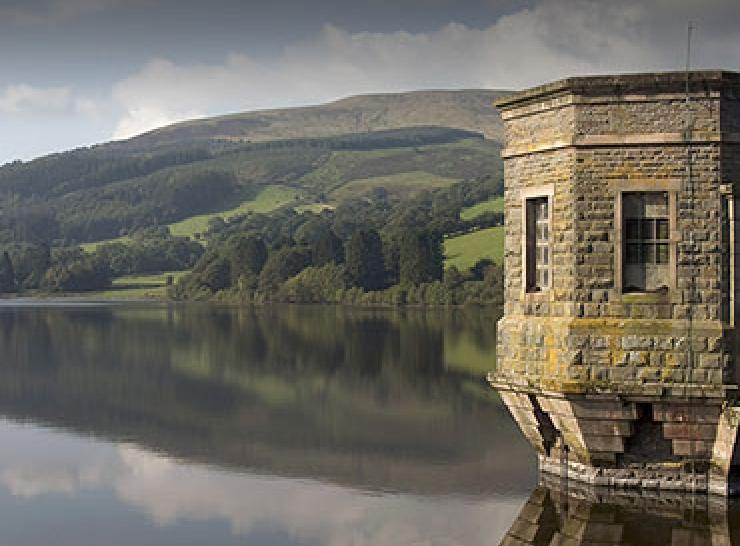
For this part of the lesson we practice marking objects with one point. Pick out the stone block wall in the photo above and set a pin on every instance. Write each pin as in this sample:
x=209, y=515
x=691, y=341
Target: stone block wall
x=588, y=140
x=581, y=362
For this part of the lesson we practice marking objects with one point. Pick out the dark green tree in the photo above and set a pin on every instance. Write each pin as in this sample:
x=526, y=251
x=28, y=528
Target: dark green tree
x=283, y=264
x=364, y=260
x=247, y=255
x=421, y=259
x=328, y=248
x=74, y=271
x=310, y=232
x=217, y=275
x=30, y=262
x=7, y=274
x=453, y=278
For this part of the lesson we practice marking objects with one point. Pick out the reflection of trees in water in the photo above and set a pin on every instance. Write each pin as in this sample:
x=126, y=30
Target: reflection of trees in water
x=573, y=514
x=313, y=391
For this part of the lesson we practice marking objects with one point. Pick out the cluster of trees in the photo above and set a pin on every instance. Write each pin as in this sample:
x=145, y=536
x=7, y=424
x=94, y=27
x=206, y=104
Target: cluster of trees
x=367, y=251
x=109, y=211
x=149, y=251
x=317, y=266
x=374, y=247
x=29, y=266
x=375, y=140
x=62, y=173
x=37, y=266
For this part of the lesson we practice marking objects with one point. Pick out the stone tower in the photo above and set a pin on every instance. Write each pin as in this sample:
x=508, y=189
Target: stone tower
x=616, y=348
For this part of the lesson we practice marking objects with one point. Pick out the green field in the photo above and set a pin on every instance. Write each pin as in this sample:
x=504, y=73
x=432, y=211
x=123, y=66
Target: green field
x=269, y=199
x=92, y=247
x=401, y=185
x=315, y=208
x=137, y=287
x=495, y=204
x=464, y=251
x=459, y=160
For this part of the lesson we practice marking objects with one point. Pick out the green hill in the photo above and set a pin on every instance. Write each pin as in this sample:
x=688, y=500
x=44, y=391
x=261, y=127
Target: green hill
x=468, y=109
x=97, y=193
x=392, y=163
x=401, y=143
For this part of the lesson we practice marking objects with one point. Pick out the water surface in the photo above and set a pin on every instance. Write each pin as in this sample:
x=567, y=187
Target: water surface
x=190, y=424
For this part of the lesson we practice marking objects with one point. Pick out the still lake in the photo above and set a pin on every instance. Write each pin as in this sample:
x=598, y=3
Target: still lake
x=139, y=424
x=196, y=424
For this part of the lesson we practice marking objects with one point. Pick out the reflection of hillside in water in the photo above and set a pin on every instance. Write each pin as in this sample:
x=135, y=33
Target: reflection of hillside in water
x=559, y=514
x=365, y=398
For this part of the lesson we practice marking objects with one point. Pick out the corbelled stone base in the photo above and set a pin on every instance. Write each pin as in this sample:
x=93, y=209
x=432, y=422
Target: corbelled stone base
x=636, y=442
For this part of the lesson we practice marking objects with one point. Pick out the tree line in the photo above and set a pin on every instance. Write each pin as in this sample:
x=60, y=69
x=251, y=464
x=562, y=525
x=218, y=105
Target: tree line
x=367, y=251
x=28, y=267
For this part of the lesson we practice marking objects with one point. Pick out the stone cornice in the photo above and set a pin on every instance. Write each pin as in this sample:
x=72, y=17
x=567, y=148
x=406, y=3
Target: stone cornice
x=620, y=140
x=700, y=81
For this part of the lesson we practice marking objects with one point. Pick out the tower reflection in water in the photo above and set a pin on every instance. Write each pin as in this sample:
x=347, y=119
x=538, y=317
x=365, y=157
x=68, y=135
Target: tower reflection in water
x=561, y=513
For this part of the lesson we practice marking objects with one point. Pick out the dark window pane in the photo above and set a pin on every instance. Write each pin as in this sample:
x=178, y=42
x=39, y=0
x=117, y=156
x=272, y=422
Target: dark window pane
x=647, y=228
x=661, y=229
x=633, y=253
x=662, y=253
x=633, y=229
x=538, y=251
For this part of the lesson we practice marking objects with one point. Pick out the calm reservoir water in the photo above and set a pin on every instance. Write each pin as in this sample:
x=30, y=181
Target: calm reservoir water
x=156, y=424
x=201, y=425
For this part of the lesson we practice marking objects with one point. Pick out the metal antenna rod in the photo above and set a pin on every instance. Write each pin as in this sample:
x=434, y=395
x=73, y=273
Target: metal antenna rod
x=690, y=30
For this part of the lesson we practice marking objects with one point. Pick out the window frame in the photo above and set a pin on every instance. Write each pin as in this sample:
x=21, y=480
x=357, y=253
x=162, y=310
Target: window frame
x=671, y=188
x=529, y=260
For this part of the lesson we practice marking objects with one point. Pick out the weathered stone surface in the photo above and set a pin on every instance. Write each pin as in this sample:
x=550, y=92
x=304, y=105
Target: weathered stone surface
x=689, y=431
x=627, y=386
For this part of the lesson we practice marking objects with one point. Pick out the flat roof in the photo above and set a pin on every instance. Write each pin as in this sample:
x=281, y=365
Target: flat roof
x=615, y=84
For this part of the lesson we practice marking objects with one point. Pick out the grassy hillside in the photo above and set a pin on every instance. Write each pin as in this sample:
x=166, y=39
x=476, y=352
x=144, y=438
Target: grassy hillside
x=399, y=186
x=317, y=178
x=465, y=158
x=204, y=166
x=464, y=109
x=496, y=204
x=464, y=251
x=269, y=199
x=94, y=194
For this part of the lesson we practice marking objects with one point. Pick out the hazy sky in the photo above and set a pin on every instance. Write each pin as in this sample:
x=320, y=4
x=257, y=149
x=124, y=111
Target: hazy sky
x=75, y=72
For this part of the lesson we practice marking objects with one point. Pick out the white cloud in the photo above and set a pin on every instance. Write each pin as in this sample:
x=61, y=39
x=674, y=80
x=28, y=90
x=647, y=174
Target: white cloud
x=171, y=492
x=554, y=39
x=22, y=98
x=305, y=509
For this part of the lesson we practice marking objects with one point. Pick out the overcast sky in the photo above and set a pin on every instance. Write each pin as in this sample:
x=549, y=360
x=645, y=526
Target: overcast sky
x=76, y=72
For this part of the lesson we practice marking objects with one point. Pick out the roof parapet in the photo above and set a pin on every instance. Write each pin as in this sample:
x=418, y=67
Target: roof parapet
x=617, y=84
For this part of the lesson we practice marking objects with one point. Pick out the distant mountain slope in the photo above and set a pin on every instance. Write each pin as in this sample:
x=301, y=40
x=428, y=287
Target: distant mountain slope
x=104, y=192
x=461, y=109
